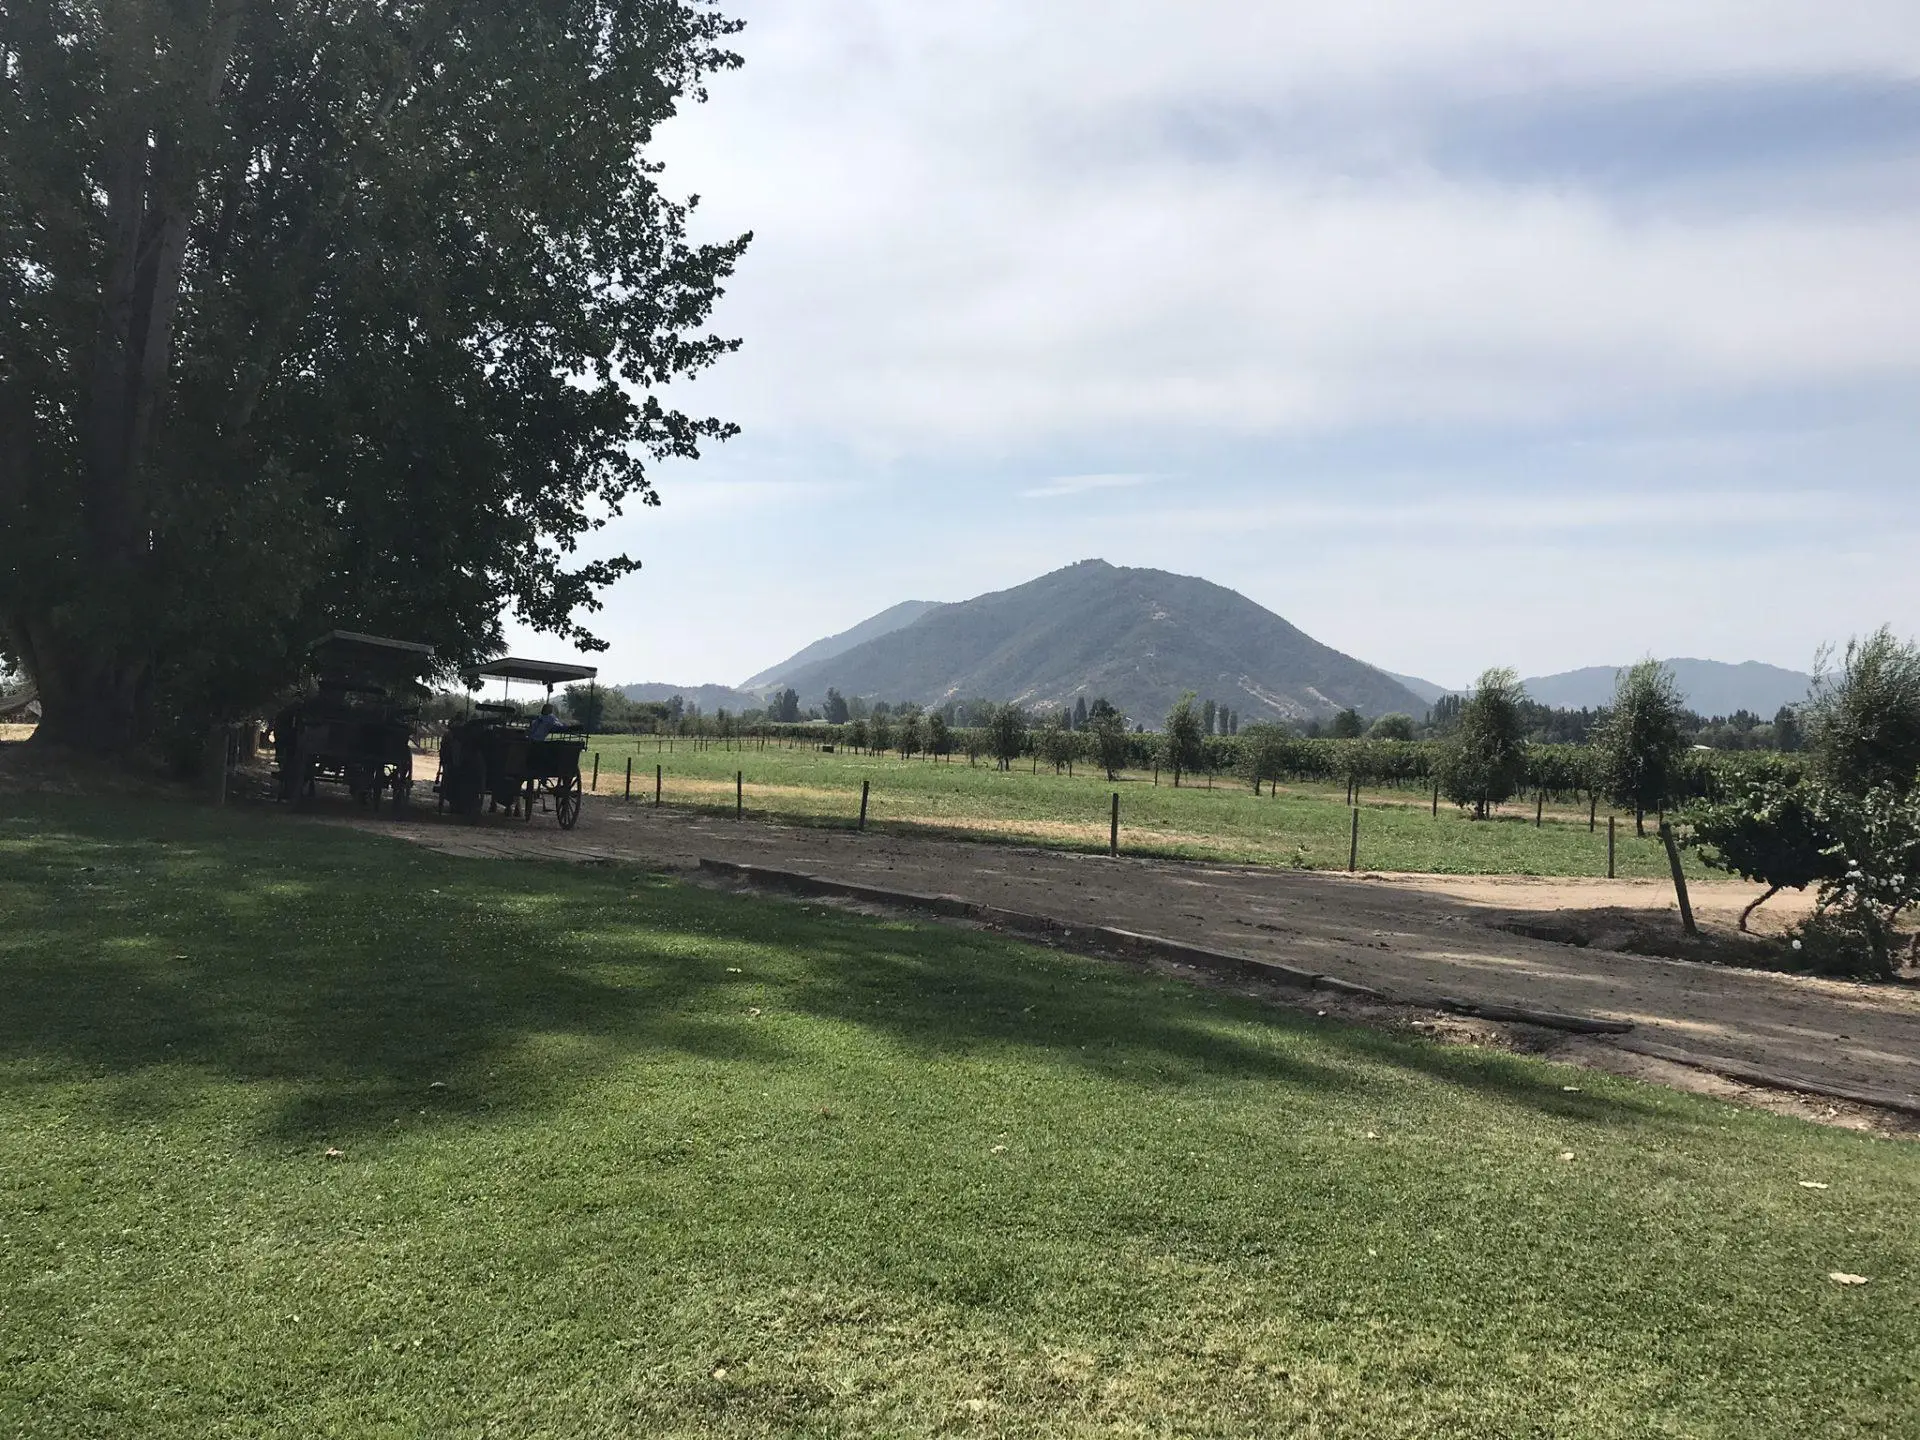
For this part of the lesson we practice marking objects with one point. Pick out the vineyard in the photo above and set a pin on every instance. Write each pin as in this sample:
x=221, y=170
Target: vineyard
x=1302, y=821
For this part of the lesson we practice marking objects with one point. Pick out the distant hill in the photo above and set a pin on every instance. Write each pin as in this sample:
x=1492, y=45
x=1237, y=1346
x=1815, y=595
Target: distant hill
x=1712, y=687
x=708, y=697
x=1425, y=689
x=893, y=618
x=1138, y=637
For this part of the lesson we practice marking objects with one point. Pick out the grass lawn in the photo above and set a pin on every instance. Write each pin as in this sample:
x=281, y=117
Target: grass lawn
x=1304, y=826
x=619, y=1157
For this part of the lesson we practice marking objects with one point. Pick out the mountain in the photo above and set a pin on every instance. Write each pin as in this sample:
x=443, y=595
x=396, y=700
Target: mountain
x=1138, y=637
x=708, y=697
x=1712, y=687
x=1425, y=689
x=895, y=617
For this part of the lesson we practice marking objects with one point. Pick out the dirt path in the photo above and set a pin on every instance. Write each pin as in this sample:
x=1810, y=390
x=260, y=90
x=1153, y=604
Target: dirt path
x=1418, y=938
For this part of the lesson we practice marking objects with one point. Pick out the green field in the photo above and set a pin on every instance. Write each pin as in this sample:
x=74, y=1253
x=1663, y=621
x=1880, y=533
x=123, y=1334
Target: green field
x=1305, y=826
x=621, y=1157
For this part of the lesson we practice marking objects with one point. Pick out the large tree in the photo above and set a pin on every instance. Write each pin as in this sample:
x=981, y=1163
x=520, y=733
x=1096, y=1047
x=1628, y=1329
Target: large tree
x=323, y=314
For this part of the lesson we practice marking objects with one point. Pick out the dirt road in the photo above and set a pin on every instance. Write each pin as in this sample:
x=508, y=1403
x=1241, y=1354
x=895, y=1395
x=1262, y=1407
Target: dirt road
x=1418, y=938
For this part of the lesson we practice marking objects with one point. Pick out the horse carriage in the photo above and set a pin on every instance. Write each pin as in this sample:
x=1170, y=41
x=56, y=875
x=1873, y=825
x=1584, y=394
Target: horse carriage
x=500, y=758
x=356, y=726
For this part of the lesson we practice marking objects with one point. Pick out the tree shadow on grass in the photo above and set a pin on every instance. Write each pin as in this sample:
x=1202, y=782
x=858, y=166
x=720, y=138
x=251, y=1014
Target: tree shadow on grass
x=352, y=975
x=159, y=946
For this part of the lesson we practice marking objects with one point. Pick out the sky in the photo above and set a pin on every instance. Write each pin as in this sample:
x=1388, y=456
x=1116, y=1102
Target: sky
x=1493, y=333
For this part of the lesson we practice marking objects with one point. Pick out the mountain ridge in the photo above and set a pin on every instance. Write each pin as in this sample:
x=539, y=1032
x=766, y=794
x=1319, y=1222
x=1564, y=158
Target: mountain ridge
x=1140, y=637
x=894, y=617
x=1711, y=687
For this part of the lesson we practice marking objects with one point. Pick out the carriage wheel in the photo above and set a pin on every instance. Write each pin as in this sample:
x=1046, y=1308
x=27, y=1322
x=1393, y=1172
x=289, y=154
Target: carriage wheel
x=566, y=801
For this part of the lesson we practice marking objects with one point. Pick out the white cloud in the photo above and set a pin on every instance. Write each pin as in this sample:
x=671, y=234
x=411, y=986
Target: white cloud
x=966, y=232
x=1108, y=243
x=1063, y=485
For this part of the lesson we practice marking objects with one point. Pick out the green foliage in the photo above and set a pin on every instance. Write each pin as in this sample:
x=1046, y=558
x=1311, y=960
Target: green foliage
x=836, y=708
x=785, y=707
x=1875, y=858
x=912, y=737
x=1111, y=741
x=939, y=734
x=589, y=705
x=1347, y=725
x=1006, y=734
x=1863, y=722
x=316, y=316
x=1392, y=727
x=1485, y=757
x=1183, y=736
x=1055, y=743
x=1641, y=742
x=1767, y=832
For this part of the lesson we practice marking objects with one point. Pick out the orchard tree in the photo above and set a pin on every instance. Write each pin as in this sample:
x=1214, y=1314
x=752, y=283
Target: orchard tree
x=1107, y=733
x=1347, y=725
x=1391, y=727
x=939, y=734
x=1080, y=712
x=912, y=736
x=1863, y=719
x=786, y=706
x=1640, y=743
x=836, y=707
x=1006, y=733
x=318, y=315
x=1184, y=737
x=1485, y=757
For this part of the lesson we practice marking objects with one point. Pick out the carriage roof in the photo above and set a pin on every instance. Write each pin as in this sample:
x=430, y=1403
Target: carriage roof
x=540, y=672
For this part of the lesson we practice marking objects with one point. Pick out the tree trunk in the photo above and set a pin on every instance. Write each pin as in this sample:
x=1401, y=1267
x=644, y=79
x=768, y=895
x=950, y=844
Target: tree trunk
x=1639, y=821
x=1772, y=890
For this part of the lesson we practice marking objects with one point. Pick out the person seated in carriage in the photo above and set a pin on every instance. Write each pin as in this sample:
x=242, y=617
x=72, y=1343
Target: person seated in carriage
x=544, y=724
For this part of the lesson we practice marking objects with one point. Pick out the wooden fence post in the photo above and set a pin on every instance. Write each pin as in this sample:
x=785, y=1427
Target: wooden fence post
x=863, y=803
x=1113, y=827
x=1609, y=847
x=1436, y=799
x=1593, y=808
x=629, y=777
x=739, y=794
x=1353, y=844
x=1679, y=879
x=658, y=771
x=596, y=772
x=1539, y=806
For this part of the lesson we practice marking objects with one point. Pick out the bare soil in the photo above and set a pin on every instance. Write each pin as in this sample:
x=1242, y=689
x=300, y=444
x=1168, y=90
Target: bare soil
x=1419, y=939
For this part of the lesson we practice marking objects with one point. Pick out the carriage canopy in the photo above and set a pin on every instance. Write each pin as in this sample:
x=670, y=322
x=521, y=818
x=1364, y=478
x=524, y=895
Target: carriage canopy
x=541, y=672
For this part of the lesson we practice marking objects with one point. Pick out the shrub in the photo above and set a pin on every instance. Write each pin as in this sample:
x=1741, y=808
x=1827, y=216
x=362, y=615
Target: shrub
x=1768, y=833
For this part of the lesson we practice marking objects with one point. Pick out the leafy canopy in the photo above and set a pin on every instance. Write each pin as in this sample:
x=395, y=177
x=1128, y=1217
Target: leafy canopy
x=1640, y=744
x=1485, y=757
x=325, y=315
x=1863, y=719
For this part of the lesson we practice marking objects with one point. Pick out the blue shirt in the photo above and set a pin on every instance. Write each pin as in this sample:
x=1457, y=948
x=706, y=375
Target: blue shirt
x=543, y=726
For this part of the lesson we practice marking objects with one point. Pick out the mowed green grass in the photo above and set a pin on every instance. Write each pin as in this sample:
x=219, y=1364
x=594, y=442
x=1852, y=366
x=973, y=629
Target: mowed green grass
x=1304, y=826
x=619, y=1157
